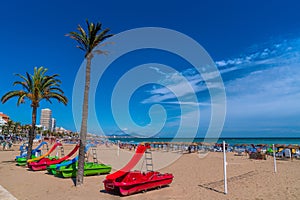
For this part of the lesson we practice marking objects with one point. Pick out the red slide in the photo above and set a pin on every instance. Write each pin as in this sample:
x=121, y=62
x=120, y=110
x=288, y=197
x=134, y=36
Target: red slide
x=43, y=163
x=131, y=164
x=47, y=154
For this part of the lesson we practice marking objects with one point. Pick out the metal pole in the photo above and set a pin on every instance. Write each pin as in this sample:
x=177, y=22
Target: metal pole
x=274, y=156
x=225, y=171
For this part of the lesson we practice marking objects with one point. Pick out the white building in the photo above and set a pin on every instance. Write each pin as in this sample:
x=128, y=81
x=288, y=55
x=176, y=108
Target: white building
x=46, y=119
x=3, y=119
x=53, y=124
x=2, y=122
x=61, y=130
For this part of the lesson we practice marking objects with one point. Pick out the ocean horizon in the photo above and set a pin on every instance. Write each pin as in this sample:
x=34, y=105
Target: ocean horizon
x=233, y=141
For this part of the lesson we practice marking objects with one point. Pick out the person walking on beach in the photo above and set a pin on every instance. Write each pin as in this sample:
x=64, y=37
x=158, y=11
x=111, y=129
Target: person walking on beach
x=4, y=145
x=190, y=149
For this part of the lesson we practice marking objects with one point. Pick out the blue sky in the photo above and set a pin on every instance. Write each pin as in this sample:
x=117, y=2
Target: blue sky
x=255, y=46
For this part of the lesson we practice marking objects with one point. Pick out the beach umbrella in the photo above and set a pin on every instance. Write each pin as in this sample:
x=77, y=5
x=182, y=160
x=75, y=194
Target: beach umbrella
x=262, y=145
x=280, y=145
x=291, y=146
x=297, y=146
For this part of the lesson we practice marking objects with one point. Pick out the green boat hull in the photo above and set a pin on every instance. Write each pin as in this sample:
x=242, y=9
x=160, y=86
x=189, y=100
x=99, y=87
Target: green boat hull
x=90, y=169
x=23, y=161
x=52, y=168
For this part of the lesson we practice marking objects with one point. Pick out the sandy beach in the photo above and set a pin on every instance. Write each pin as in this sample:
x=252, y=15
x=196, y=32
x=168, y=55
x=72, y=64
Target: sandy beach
x=194, y=178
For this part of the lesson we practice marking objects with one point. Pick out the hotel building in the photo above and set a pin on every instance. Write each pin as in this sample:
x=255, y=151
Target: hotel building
x=46, y=119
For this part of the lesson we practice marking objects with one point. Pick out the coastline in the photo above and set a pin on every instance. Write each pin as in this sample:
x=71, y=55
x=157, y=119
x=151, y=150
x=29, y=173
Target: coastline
x=231, y=141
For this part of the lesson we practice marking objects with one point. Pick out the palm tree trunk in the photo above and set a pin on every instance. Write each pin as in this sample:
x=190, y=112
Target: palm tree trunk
x=31, y=133
x=83, y=130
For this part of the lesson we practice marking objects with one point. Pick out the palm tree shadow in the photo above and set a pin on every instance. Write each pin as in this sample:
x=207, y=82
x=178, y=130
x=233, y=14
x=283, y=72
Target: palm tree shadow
x=210, y=188
x=60, y=177
x=74, y=181
x=111, y=193
x=8, y=162
x=115, y=193
x=104, y=191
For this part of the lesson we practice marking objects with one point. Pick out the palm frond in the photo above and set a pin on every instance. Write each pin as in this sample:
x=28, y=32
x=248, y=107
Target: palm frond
x=56, y=89
x=81, y=40
x=12, y=94
x=89, y=39
x=103, y=35
x=23, y=84
x=21, y=99
x=29, y=80
x=59, y=97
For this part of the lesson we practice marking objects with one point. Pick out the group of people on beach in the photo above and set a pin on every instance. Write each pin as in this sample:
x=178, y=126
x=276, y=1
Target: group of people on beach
x=127, y=146
x=6, y=144
x=7, y=141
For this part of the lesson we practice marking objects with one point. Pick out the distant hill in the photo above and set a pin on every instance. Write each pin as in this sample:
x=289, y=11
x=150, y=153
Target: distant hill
x=118, y=134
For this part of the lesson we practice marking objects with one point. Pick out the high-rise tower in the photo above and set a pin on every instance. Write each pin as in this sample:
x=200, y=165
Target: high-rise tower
x=53, y=124
x=46, y=118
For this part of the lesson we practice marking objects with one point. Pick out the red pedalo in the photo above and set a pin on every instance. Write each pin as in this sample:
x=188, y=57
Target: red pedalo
x=126, y=182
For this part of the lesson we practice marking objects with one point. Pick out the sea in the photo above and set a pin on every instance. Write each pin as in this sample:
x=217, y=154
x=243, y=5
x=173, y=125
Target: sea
x=231, y=141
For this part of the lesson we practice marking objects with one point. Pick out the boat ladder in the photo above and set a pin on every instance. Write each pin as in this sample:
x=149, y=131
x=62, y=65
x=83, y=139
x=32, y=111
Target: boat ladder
x=94, y=151
x=86, y=156
x=148, y=160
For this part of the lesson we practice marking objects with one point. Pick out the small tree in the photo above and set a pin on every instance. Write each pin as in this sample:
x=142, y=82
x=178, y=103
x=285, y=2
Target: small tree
x=36, y=87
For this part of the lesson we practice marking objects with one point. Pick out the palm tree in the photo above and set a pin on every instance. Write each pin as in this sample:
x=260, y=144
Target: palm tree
x=27, y=128
x=4, y=129
x=17, y=128
x=87, y=42
x=36, y=87
x=10, y=126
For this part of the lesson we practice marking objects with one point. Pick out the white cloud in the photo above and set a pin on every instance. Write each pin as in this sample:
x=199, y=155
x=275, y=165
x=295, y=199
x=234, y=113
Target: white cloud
x=158, y=70
x=186, y=103
x=221, y=63
x=268, y=88
x=265, y=98
x=187, y=83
